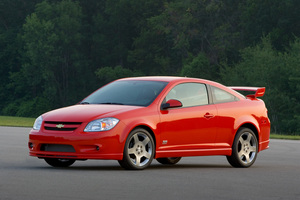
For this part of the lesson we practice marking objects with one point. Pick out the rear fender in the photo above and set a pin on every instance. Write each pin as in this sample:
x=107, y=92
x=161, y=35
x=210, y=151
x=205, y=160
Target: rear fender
x=249, y=122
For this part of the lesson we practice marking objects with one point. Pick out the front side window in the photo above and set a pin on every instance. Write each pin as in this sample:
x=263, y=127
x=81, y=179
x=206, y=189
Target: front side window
x=189, y=94
x=221, y=96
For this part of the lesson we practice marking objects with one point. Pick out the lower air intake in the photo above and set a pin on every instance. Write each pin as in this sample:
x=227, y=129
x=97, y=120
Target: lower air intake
x=57, y=148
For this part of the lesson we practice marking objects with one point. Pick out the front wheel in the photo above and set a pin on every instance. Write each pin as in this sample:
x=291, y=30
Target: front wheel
x=244, y=149
x=138, y=151
x=59, y=162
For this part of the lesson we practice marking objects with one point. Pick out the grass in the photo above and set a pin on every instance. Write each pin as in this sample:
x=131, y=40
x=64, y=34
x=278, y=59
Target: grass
x=285, y=137
x=16, y=121
x=28, y=122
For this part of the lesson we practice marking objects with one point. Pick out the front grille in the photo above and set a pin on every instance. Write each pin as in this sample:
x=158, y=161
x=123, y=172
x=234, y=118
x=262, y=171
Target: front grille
x=57, y=148
x=61, y=126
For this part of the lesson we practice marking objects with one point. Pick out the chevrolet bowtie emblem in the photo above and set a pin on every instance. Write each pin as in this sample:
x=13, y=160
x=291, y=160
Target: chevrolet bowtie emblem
x=60, y=126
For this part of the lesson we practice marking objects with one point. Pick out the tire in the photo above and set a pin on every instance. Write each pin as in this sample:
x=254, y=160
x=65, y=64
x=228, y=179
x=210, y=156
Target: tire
x=244, y=149
x=138, y=151
x=59, y=162
x=168, y=160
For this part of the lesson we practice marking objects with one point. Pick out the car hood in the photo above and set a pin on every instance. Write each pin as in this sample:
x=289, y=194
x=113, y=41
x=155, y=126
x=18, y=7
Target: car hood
x=86, y=113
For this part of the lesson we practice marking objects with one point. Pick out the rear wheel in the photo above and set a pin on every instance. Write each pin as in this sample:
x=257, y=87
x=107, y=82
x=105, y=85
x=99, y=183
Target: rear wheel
x=138, y=151
x=59, y=162
x=244, y=149
x=169, y=160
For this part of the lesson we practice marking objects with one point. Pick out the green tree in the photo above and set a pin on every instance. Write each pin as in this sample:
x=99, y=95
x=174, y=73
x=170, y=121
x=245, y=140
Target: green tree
x=279, y=72
x=108, y=74
x=276, y=18
x=52, y=60
x=12, y=15
x=199, y=66
x=116, y=25
x=185, y=28
x=292, y=60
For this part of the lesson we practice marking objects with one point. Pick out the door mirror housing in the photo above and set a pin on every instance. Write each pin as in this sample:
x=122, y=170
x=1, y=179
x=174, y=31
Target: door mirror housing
x=172, y=103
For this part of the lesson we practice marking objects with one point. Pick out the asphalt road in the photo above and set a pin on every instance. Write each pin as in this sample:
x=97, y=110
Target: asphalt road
x=275, y=175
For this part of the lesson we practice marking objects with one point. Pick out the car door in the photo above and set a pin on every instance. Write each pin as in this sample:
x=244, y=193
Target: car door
x=192, y=126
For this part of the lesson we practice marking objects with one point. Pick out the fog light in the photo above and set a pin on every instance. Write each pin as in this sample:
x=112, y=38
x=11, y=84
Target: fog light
x=97, y=148
x=30, y=145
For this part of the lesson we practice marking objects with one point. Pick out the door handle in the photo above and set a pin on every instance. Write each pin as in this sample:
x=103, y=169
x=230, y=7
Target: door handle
x=208, y=115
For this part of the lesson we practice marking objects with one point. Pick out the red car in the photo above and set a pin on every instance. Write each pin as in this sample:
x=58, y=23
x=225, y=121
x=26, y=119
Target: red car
x=134, y=120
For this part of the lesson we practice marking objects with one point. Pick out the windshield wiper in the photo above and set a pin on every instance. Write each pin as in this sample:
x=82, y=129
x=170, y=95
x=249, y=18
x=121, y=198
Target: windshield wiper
x=112, y=103
x=84, y=102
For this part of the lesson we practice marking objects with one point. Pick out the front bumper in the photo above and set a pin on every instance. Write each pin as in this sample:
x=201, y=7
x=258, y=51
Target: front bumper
x=77, y=144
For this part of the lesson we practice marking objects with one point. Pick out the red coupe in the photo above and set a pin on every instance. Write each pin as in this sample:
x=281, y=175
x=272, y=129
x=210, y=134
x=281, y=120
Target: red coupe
x=134, y=120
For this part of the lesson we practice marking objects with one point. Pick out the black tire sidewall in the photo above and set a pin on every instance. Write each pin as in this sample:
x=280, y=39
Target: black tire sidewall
x=168, y=160
x=56, y=162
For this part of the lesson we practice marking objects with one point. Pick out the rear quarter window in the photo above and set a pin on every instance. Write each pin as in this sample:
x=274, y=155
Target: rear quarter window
x=221, y=96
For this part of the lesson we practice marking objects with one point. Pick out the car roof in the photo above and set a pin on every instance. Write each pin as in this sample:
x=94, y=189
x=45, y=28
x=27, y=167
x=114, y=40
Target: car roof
x=173, y=79
x=165, y=78
x=154, y=78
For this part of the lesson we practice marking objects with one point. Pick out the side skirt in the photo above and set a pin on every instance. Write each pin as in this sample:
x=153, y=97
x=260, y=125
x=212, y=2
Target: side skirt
x=193, y=152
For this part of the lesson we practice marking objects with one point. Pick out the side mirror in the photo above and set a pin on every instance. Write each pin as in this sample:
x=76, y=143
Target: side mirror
x=172, y=103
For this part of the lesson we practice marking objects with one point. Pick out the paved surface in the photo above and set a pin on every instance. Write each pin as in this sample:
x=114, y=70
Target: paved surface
x=275, y=175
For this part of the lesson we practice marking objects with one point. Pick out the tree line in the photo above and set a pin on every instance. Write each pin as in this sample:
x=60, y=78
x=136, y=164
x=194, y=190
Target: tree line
x=55, y=52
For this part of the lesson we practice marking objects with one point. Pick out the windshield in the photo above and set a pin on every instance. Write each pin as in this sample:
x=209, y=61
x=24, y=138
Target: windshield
x=127, y=92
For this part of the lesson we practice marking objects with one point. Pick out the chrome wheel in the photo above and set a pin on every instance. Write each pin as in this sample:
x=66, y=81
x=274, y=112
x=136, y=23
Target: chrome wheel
x=244, y=149
x=247, y=148
x=139, y=150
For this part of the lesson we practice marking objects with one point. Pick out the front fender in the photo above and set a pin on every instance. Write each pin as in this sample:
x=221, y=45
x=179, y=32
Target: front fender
x=138, y=122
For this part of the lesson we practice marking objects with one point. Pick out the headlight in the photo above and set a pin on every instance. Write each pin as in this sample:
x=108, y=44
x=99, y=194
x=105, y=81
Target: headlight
x=104, y=124
x=38, y=123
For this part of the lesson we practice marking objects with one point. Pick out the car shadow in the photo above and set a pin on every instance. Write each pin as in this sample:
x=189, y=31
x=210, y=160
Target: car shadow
x=188, y=166
x=119, y=168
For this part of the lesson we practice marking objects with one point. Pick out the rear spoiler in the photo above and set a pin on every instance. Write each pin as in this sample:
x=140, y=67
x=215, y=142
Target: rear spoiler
x=259, y=91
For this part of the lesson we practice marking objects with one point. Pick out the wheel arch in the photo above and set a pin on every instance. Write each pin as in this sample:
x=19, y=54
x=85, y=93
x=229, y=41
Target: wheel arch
x=128, y=130
x=147, y=128
x=248, y=121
